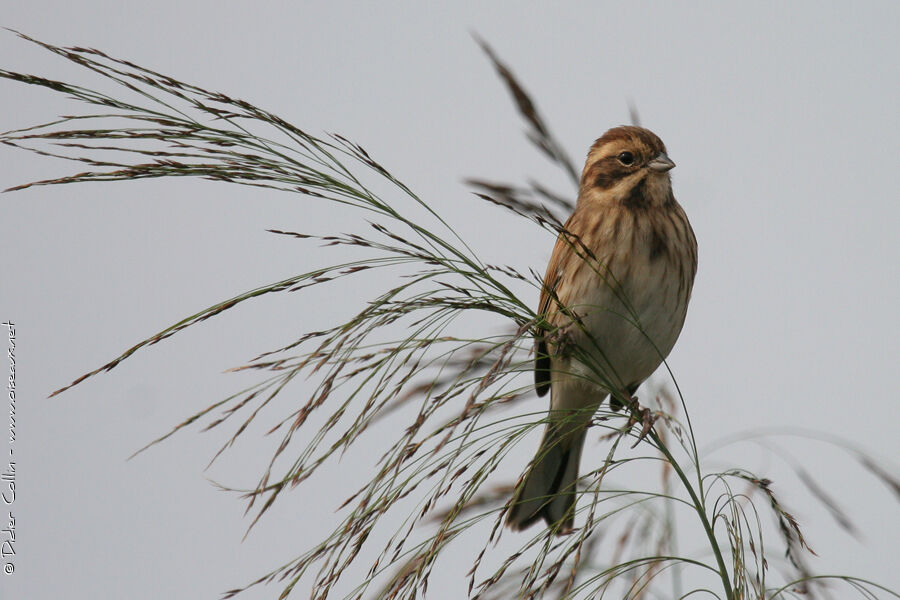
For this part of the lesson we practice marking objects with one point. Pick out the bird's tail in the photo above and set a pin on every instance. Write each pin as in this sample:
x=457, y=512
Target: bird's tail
x=548, y=491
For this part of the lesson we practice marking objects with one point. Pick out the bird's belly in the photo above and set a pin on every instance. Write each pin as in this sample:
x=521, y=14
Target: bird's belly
x=627, y=335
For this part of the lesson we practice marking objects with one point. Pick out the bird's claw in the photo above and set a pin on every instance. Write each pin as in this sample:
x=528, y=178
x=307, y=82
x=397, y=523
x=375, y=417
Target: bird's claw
x=645, y=416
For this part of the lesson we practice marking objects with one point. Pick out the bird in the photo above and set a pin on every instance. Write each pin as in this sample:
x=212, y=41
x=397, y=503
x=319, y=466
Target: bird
x=613, y=302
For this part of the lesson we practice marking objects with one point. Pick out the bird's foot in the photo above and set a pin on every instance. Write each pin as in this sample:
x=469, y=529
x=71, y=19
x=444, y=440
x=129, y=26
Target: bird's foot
x=562, y=342
x=642, y=415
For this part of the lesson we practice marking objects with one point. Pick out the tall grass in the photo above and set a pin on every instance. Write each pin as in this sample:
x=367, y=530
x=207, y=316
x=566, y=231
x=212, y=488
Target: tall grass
x=405, y=363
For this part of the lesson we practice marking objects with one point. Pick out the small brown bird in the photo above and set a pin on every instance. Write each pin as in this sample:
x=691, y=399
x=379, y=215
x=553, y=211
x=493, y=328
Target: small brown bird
x=615, y=296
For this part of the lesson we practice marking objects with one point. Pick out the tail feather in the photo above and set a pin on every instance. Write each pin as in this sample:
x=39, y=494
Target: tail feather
x=548, y=491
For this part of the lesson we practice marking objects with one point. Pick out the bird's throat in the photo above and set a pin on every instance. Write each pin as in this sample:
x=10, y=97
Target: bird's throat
x=649, y=192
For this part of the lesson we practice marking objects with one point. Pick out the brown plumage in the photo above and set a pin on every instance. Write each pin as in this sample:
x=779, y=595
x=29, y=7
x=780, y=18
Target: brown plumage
x=615, y=296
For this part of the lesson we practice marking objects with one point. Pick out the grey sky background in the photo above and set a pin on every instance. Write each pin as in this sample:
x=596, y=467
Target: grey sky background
x=782, y=120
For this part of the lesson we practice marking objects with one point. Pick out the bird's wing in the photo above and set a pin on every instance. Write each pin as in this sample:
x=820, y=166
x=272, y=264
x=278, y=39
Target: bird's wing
x=562, y=252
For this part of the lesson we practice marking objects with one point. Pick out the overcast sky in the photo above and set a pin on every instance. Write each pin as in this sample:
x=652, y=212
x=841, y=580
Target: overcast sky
x=783, y=122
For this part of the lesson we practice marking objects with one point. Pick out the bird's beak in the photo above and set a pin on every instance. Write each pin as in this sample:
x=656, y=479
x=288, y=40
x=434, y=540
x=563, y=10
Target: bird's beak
x=661, y=163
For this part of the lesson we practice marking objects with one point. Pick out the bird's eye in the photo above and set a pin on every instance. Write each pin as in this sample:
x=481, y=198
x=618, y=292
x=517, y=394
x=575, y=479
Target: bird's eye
x=626, y=158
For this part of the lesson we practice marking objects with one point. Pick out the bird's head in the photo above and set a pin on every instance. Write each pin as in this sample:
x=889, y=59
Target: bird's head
x=628, y=165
